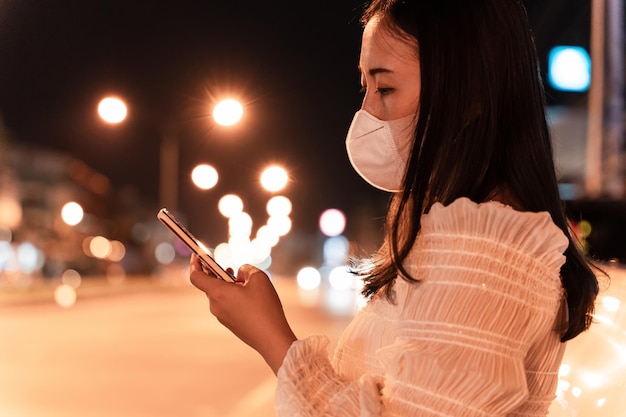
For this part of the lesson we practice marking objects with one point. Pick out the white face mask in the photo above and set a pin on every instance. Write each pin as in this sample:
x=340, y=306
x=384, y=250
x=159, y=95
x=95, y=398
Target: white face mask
x=379, y=150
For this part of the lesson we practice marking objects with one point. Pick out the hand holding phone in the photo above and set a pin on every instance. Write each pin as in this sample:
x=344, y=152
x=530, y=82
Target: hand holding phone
x=207, y=261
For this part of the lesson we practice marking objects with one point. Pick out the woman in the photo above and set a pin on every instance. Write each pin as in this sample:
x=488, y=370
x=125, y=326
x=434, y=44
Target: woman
x=479, y=282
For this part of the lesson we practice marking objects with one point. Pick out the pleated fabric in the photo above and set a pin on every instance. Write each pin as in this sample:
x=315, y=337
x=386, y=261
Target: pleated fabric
x=477, y=336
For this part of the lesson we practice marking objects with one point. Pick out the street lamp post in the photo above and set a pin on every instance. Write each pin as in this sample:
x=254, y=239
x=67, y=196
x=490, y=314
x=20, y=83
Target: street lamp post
x=168, y=167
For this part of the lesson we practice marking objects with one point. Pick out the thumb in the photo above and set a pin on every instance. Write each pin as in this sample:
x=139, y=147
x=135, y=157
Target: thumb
x=250, y=274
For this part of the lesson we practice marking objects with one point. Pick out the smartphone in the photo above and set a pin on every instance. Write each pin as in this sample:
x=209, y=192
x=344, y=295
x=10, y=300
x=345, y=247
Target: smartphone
x=207, y=261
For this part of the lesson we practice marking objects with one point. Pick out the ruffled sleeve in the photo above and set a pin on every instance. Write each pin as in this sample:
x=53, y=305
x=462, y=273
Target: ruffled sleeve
x=488, y=295
x=308, y=385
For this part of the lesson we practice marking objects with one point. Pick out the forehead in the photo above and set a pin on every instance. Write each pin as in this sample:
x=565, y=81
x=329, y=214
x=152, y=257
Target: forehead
x=381, y=48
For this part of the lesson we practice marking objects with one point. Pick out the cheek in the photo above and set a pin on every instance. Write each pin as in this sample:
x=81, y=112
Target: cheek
x=406, y=107
x=414, y=89
x=410, y=102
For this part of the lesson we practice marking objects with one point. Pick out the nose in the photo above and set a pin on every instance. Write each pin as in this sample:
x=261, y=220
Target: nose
x=371, y=105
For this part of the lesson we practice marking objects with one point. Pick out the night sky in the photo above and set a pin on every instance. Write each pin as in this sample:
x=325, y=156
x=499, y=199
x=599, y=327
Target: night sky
x=293, y=65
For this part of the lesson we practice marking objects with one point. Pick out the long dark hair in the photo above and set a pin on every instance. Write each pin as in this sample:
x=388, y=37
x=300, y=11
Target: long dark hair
x=481, y=131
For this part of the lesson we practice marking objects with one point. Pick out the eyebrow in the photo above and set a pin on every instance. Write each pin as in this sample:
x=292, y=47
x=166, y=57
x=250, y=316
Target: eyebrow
x=375, y=71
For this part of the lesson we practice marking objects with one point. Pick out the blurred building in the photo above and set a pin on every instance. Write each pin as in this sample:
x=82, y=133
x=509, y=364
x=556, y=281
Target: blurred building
x=35, y=184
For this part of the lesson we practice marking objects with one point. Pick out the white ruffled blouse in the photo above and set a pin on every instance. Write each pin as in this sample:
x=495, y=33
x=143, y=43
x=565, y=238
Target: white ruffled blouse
x=476, y=336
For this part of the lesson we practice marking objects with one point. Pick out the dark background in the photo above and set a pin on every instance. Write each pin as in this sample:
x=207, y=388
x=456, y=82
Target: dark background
x=294, y=65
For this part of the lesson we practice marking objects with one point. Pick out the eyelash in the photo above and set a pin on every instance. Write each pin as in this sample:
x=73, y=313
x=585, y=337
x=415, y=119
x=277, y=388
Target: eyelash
x=381, y=91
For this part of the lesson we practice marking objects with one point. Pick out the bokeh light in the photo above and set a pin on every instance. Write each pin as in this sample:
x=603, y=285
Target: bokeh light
x=281, y=225
x=29, y=257
x=308, y=278
x=610, y=304
x=569, y=68
x=332, y=222
x=267, y=235
x=100, y=247
x=240, y=224
x=71, y=277
x=340, y=278
x=223, y=254
x=10, y=212
x=229, y=205
x=279, y=206
x=227, y=112
x=112, y=110
x=72, y=213
x=274, y=178
x=117, y=252
x=65, y=295
x=164, y=253
x=335, y=250
x=260, y=251
x=7, y=255
x=592, y=376
x=204, y=176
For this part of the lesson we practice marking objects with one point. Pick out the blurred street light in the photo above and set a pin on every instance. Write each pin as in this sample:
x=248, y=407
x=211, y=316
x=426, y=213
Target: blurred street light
x=279, y=206
x=72, y=213
x=332, y=222
x=10, y=212
x=227, y=112
x=274, y=178
x=112, y=110
x=241, y=246
x=229, y=205
x=204, y=176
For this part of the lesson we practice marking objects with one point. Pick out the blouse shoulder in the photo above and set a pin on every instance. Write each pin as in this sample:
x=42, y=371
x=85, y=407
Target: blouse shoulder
x=532, y=233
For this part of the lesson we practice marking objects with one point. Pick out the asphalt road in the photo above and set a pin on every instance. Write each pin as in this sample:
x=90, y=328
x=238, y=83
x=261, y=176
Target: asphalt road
x=144, y=349
x=143, y=353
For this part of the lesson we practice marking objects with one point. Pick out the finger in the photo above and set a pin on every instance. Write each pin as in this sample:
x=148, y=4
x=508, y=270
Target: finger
x=247, y=272
x=204, y=282
x=194, y=263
